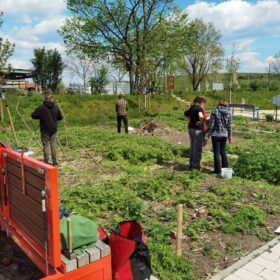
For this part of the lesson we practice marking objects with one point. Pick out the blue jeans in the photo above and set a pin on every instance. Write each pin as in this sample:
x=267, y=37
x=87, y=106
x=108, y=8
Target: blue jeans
x=219, y=150
x=196, y=142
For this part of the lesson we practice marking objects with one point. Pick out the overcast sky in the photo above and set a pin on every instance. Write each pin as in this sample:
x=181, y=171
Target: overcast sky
x=253, y=26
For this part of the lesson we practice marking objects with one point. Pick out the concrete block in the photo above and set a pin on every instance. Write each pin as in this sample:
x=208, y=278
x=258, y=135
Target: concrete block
x=271, y=256
x=266, y=263
x=105, y=250
x=268, y=274
x=70, y=265
x=83, y=260
x=94, y=254
x=232, y=277
x=246, y=275
x=253, y=267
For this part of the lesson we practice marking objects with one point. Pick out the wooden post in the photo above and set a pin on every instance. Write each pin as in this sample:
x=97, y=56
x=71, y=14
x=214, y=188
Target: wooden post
x=12, y=125
x=69, y=233
x=1, y=110
x=139, y=103
x=145, y=101
x=179, y=235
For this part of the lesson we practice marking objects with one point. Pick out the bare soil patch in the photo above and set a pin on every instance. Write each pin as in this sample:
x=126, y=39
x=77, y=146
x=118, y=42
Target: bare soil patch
x=155, y=128
x=14, y=264
x=224, y=249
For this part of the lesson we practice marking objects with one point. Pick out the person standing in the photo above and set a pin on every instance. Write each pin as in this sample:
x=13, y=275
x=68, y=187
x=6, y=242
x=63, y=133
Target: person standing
x=121, y=110
x=195, y=114
x=219, y=128
x=48, y=114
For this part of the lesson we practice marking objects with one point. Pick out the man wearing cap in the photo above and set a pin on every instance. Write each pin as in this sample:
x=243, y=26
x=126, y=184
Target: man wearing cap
x=121, y=110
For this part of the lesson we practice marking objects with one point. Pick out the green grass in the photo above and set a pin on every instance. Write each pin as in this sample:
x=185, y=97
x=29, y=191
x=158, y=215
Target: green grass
x=143, y=182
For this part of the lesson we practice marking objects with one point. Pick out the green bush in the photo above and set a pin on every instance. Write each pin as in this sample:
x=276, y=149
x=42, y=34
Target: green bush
x=259, y=164
x=269, y=117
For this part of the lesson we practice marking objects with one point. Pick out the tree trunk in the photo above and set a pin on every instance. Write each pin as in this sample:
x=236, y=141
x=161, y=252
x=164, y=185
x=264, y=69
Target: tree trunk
x=131, y=82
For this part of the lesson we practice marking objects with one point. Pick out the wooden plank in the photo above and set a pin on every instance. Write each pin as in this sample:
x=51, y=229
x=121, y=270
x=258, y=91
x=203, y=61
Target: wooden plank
x=36, y=218
x=27, y=225
x=33, y=193
x=11, y=168
x=35, y=181
x=34, y=172
x=14, y=162
x=14, y=180
x=32, y=177
x=17, y=197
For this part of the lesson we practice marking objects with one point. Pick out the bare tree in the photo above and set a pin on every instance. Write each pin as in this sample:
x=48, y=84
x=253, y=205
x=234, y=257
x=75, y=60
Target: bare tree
x=232, y=66
x=269, y=72
x=275, y=64
x=82, y=66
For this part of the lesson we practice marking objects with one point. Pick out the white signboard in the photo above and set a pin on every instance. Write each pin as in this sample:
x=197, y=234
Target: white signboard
x=276, y=100
x=217, y=86
x=8, y=86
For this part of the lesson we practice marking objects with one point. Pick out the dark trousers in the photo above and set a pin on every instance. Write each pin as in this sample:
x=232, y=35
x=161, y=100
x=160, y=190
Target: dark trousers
x=49, y=140
x=196, y=141
x=125, y=122
x=219, y=150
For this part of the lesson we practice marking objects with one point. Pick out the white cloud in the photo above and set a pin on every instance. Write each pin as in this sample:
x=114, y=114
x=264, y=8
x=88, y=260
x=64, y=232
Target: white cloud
x=18, y=63
x=244, y=44
x=48, y=25
x=252, y=61
x=238, y=15
x=32, y=7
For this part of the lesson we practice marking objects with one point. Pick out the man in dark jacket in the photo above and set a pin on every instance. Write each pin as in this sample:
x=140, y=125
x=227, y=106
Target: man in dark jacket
x=48, y=114
x=219, y=128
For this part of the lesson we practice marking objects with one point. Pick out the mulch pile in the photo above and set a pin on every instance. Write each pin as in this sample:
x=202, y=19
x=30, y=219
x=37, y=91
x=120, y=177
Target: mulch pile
x=14, y=264
x=153, y=128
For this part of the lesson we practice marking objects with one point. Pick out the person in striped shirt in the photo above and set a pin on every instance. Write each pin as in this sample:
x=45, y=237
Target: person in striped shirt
x=121, y=110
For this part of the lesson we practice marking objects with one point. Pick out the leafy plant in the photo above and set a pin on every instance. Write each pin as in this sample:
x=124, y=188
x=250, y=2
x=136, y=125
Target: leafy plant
x=269, y=117
x=259, y=164
x=247, y=220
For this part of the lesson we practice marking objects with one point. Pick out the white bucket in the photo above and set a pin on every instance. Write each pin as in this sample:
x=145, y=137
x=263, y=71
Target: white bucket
x=227, y=173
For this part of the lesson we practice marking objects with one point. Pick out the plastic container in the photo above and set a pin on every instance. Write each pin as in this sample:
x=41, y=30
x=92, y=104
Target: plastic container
x=227, y=173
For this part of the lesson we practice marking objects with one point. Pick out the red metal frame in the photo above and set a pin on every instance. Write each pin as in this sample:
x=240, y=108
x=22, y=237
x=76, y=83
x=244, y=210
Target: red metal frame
x=51, y=266
x=31, y=248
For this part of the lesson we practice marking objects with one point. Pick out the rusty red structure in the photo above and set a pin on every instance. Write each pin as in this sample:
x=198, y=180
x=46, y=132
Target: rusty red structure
x=29, y=214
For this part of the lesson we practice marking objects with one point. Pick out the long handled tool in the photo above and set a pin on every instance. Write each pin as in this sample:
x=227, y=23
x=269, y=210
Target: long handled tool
x=62, y=150
x=12, y=125
x=33, y=135
x=81, y=145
